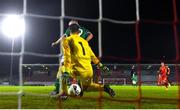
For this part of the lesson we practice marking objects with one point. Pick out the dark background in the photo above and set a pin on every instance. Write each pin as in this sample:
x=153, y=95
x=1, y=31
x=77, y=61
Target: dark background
x=118, y=40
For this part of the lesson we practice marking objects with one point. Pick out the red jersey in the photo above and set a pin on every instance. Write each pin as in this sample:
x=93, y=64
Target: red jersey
x=164, y=70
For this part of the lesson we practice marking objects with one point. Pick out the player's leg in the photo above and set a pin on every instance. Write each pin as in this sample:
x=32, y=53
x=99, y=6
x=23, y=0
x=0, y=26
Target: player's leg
x=169, y=83
x=87, y=80
x=57, y=84
x=90, y=85
x=159, y=80
x=109, y=90
x=63, y=81
x=165, y=82
x=106, y=88
x=166, y=85
x=63, y=91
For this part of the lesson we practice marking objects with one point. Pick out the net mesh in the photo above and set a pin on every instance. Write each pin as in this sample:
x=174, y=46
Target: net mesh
x=142, y=70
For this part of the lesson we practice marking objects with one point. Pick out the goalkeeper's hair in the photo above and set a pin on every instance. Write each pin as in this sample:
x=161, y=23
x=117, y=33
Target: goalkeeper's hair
x=74, y=28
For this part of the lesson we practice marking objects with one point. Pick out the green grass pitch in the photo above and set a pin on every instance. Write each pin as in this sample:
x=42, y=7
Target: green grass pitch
x=126, y=98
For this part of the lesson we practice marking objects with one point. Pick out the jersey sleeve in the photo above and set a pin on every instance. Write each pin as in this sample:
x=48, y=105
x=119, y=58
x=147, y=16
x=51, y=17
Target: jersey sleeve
x=67, y=55
x=94, y=59
x=84, y=33
x=87, y=33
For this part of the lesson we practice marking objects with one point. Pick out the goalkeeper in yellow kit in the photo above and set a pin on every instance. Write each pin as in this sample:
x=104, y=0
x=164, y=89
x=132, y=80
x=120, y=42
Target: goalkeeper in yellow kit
x=85, y=34
x=77, y=63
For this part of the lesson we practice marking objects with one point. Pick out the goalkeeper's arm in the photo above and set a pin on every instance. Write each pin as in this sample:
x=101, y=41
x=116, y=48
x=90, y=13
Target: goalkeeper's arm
x=96, y=61
x=67, y=55
x=103, y=67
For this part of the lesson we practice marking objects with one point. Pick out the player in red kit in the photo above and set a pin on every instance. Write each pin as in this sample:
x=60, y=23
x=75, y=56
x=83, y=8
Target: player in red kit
x=164, y=71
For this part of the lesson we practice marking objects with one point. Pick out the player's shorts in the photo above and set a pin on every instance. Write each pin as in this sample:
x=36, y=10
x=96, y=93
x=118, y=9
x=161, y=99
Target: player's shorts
x=164, y=79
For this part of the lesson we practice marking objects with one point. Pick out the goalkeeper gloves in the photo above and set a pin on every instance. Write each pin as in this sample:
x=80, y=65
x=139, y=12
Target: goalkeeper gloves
x=104, y=68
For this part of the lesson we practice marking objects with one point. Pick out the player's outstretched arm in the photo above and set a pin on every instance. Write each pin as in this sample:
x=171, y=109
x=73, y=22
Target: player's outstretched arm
x=67, y=55
x=103, y=68
x=90, y=36
x=96, y=61
x=58, y=41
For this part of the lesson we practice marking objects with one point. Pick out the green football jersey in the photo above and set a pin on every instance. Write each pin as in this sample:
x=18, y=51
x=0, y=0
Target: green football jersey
x=84, y=33
x=134, y=78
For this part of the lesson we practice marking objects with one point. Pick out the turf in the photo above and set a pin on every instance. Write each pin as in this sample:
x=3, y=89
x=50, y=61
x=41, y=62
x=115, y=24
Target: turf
x=36, y=97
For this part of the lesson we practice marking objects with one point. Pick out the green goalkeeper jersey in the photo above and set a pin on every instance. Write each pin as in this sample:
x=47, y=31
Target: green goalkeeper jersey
x=84, y=33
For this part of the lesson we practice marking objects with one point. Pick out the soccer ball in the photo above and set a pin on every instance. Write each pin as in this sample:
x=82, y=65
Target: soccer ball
x=74, y=90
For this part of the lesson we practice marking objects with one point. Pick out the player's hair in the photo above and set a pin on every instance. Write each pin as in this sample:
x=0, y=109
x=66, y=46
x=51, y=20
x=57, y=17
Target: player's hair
x=73, y=22
x=74, y=28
